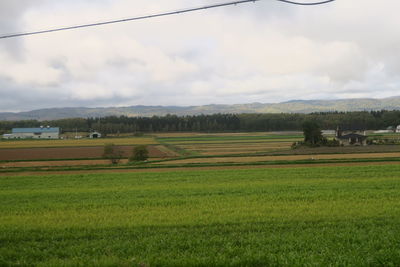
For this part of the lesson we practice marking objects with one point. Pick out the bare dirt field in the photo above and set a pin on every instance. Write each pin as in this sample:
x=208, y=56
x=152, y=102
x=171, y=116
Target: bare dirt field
x=75, y=153
x=76, y=142
x=20, y=164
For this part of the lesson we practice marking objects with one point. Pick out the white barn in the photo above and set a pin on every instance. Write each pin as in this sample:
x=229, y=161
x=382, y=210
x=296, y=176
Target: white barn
x=34, y=133
x=94, y=135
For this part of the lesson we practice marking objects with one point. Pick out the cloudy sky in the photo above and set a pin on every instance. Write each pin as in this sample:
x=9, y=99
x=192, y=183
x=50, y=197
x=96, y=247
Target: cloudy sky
x=259, y=52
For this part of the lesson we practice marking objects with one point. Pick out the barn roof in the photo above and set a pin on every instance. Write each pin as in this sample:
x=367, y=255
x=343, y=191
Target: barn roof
x=353, y=135
x=36, y=130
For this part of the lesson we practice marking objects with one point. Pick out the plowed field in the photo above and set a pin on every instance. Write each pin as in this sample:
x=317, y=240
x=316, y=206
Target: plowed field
x=76, y=142
x=74, y=153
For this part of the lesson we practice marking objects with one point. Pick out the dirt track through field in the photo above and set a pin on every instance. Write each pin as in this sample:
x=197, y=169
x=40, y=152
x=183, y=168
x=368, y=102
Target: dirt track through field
x=202, y=168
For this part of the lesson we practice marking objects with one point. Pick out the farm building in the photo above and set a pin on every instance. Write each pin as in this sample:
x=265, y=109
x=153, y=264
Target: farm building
x=328, y=132
x=352, y=139
x=34, y=133
x=382, y=131
x=94, y=135
x=390, y=129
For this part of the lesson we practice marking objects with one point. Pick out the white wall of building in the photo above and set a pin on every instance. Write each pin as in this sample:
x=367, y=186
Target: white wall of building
x=32, y=136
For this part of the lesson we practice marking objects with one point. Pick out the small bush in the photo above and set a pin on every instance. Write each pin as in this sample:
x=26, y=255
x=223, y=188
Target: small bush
x=323, y=142
x=112, y=153
x=297, y=145
x=138, y=134
x=332, y=143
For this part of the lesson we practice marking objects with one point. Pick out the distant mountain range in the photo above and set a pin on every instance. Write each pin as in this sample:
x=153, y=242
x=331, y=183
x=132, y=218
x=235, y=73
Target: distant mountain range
x=295, y=106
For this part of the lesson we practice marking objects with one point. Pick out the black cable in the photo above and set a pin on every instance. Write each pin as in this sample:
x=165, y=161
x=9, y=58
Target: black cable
x=153, y=16
x=306, y=4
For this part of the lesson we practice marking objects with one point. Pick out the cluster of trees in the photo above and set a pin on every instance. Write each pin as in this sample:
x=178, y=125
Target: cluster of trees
x=114, y=153
x=313, y=136
x=218, y=122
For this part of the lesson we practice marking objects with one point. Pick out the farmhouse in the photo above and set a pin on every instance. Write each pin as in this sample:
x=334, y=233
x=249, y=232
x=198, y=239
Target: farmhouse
x=352, y=139
x=34, y=133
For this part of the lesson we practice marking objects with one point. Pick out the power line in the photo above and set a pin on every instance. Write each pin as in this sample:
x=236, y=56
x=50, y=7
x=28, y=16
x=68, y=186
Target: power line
x=306, y=4
x=176, y=12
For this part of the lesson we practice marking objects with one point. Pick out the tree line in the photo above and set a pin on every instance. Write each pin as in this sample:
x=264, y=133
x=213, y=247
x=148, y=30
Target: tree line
x=362, y=120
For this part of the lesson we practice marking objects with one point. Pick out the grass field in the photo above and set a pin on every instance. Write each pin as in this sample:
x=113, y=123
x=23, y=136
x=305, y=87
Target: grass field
x=331, y=216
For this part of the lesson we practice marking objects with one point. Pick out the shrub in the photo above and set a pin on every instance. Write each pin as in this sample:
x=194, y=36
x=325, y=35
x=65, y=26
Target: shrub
x=138, y=134
x=297, y=145
x=140, y=153
x=332, y=143
x=112, y=153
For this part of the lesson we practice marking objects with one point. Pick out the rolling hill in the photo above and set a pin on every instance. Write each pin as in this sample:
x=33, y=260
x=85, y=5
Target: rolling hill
x=295, y=106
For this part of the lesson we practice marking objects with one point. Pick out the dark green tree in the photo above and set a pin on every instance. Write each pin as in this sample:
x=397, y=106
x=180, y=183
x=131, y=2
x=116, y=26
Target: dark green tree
x=112, y=153
x=140, y=153
x=312, y=133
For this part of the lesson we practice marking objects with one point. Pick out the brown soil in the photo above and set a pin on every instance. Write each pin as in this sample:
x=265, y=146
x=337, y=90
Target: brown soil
x=74, y=153
x=205, y=168
x=57, y=163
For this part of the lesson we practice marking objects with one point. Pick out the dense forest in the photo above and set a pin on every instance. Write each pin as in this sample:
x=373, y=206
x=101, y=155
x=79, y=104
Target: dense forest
x=218, y=122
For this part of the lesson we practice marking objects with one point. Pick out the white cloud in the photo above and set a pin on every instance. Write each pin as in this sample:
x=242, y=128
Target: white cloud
x=263, y=52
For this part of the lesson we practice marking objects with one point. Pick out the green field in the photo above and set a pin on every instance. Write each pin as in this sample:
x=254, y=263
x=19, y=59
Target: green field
x=330, y=216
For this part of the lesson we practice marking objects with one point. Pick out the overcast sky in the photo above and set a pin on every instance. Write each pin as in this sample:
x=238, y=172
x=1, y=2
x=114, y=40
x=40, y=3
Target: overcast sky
x=259, y=52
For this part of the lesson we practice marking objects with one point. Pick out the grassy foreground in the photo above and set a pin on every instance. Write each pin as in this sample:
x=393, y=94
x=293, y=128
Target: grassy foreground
x=331, y=216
